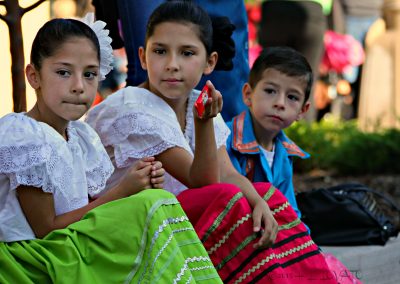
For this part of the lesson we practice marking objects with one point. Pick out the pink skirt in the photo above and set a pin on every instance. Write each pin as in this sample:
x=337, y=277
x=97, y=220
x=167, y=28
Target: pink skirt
x=222, y=218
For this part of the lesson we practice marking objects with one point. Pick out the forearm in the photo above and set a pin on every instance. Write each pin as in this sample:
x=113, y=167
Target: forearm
x=42, y=223
x=205, y=168
x=244, y=184
x=115, y=193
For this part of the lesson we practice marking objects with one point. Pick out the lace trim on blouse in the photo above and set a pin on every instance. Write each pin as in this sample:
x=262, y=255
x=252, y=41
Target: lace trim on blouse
x=43, y=161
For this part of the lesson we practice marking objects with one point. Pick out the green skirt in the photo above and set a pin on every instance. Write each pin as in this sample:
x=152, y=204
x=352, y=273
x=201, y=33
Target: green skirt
x=146, y=238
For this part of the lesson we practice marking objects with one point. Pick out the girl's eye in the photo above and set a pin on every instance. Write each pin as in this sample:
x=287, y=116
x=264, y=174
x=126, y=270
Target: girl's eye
x=188, y=53
x=90, y=75
x=159, y=51
x=63, y=73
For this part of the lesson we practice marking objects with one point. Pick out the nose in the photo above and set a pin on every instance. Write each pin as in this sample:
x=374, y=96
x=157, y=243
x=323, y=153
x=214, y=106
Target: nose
x=77, y=85
x=172, y=63
x=279, y=101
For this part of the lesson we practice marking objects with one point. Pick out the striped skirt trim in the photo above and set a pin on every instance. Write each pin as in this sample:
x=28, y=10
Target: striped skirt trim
x=223, y=220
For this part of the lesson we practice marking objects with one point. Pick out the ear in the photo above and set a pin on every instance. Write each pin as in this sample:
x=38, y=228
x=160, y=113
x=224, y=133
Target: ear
x=33, y=76
x=142, y=58
x=303, y=111
x=211, y=62
x=247, y=90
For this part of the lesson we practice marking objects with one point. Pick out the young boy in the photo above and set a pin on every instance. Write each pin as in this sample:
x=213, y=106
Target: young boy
x=276, y=95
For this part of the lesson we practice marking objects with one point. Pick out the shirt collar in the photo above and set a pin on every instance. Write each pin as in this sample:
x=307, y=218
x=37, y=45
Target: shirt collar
x=244, y=140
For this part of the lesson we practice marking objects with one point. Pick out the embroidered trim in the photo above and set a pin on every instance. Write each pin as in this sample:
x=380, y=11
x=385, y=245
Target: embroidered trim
x=238, y=123
x=293, y=149
x=271, y=257
x=211, y=275
x=245, y=218
x=248, y=240
x=222, y=215
x=290, y=225
x=240, y=222
x=151, y=212
x=186, y=267
x=189, y=280
x=166, y=265
x=198, y=269
x=155, y=237
x=270, y=192
x=281, y=208
x=226, y=236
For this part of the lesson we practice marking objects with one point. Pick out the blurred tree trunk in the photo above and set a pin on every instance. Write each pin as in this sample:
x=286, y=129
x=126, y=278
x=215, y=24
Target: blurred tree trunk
x=12, y=17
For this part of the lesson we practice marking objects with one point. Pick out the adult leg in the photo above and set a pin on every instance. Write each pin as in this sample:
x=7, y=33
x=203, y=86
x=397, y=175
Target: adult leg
x=134, y=15
x=230, y=83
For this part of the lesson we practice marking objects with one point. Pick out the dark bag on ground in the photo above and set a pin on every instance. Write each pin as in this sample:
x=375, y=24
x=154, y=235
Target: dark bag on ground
x=349, y=214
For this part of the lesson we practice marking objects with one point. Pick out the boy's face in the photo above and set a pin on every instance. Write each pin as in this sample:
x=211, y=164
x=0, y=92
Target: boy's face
x=276, y=101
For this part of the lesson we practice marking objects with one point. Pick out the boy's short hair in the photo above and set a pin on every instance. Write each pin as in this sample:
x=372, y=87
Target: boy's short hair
x=285, y=60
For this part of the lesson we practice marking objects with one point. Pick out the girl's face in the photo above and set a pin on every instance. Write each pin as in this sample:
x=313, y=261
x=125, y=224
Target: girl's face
x=175, y=60
x=67, y=82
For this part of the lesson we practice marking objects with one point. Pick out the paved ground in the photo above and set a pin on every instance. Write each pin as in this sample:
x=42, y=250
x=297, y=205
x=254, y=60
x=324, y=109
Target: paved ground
x=371, y=264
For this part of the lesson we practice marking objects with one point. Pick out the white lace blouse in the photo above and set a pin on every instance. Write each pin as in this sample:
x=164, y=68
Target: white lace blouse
x=33, y=154
x=134, y=123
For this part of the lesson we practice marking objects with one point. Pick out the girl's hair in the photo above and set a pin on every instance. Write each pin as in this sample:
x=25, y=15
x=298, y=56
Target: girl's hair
x=285, y=60
x=214, y=33
x=56, y=32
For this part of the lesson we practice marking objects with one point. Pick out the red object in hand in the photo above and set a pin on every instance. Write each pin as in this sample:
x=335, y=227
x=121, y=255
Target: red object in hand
x=201, y=101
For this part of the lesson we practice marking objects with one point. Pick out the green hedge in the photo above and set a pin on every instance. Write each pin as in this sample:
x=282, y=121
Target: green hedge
x=339, y=146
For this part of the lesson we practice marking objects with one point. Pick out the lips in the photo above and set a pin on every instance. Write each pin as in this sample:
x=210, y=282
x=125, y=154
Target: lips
x=276, y=117
x=75, y=103
x=172, y=80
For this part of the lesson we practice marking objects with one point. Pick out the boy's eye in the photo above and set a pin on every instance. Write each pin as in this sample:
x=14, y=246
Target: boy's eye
x=269, y=91
x=293, y=97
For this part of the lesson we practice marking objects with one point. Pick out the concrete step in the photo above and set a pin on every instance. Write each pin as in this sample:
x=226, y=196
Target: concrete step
x=371, y=264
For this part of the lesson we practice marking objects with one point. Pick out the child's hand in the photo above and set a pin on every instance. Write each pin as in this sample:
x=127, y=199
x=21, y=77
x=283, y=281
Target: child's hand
x=138, y=176
x=263, y=215
x=157, y=175
x=213, y=105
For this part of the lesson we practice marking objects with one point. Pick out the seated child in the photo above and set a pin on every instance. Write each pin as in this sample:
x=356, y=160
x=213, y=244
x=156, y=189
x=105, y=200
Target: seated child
x=276, y=95
x=250, y=231
x=51, y=163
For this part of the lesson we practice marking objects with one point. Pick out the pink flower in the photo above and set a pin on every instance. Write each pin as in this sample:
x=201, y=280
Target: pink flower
x=341, y=51
x=254, y=52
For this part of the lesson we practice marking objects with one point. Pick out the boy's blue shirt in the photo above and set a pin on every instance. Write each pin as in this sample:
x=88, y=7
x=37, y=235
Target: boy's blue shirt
x=245, y=152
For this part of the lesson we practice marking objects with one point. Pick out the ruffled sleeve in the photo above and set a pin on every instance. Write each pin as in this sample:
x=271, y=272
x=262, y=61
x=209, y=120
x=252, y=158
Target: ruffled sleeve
x=98, y=164
x=136, y=124
x=28, y=157
x=221, y=131
x=34, y=154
